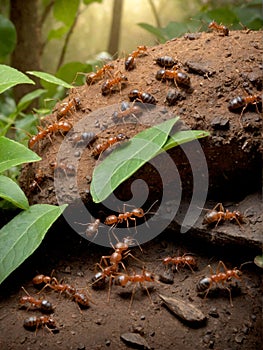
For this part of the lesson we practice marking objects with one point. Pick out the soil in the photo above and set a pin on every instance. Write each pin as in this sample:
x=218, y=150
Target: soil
x=220, y=68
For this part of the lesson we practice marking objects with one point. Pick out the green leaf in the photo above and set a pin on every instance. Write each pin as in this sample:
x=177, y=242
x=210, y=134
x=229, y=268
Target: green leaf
x=50, y=78
x=28, y=98
x=184, y=136
x=22, y=235
x=88, y=2
x=57, y=33
x=126, y=160
x=158, y=32
x=65, y=11
x=68, y=72
x=11, y=77
x=7, y=35
x=13, y=153
x=11, y=192
x=259, y=261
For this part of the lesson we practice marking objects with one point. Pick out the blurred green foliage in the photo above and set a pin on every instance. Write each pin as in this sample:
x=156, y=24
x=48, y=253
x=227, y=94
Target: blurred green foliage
x=234, y=16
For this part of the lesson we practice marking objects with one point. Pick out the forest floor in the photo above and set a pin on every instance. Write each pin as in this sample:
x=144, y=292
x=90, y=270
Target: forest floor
x=220, y=68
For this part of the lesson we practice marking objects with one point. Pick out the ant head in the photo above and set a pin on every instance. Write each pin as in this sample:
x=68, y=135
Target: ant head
x=138, y=212
x=122, y=246
x=149, y=277
x=166, y=260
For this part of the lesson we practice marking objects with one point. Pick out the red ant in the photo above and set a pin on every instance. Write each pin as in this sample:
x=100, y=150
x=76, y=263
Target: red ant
x=34, y=322
x=120, y=253
x=171, y=74
x=130, y=61
x=66, y=107
x=206, y=283
x=53, y=128
x=42, y=304
x=92, y=77
x=185, y=260
x=144, y=97
x=71, y=291
x=67, y=169
x=123, y=279
x=165, y=61
x=241, y=101
x=109, y=85
x=222, y=30
x=126, y=216
x=39, y=177
x=127, y=110
x=40, y=279
x=222, y=215
x=111, y=141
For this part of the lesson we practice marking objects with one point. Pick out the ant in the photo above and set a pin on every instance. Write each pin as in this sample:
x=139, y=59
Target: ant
x=69, y=290
x=130, y=61
x=222, y=30
x=39, y=177
x=120, y=253
x=66, y=107
x=126, y=216
x=185, y=260
x=110, y=142
x=127, y=110
x=241, y=101
x=93, y=77
x=85, y=138
x=92, y=228
x=42, y=304
x=109, y=85
x=123, y=279
x=40, y=279
x=173, y=96
x=144, y=97
x=53, y=128
x=222, y=215
x=67, y=169
x=206, y=283
x=34, y=322
x=171, y=74
x=99, y=280
x=166, y=61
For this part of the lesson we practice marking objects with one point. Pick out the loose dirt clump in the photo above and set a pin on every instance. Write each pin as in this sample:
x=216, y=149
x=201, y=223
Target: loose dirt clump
x=220, y=68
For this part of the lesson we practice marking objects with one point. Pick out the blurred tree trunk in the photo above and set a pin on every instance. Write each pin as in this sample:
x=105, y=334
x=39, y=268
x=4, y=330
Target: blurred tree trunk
x=115, y=27
x=26, y=56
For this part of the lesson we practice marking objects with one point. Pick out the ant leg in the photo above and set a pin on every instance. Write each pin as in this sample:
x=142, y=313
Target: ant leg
x=103, y=259
x=211, y=270
x=148, y=293
x=220, y=206
x=221, y=264
x=132, y=296
x=230, y=296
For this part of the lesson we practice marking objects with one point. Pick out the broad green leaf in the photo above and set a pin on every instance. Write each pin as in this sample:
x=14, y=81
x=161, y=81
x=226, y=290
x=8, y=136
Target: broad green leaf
x=128, y=158
x=57, y=33
x=10, y=77
x=13, y=153
x=50, y=78
x=65, y=11
x=7, y=35
x=22, y=235
x=184, y=136
x=68, y=72
x=88, y=2
x=11, y=192
x=259, y=261
x=158, y=32
x=28, y=98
